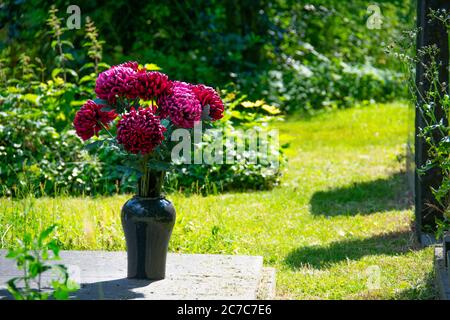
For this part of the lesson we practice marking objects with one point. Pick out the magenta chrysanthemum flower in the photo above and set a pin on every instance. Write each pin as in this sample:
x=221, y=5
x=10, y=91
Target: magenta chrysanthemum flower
x=140, y=131
x=88, y=118
x=209, y=97
x=149, y=85
x=181, y=106
x=129, y=64
x=113, y=82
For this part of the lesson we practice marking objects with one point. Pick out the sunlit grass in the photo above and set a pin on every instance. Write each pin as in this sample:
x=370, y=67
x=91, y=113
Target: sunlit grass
x=343, y=210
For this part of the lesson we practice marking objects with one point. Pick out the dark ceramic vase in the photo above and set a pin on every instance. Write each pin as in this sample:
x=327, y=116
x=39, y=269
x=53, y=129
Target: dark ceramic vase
x=147, y=220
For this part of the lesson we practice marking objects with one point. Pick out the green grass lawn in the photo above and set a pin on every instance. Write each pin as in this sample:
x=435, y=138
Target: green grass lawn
x=340, y=221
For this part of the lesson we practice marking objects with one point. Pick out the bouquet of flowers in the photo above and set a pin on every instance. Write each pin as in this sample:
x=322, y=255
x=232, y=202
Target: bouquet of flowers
x=139, y=108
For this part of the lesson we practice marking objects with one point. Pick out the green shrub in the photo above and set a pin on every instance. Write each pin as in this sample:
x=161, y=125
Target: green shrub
x=244, y=173
x=323, y=83
x=35, y=154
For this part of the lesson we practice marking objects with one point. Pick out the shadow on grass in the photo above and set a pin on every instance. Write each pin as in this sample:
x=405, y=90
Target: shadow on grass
x=321, y=257
x=363, y=198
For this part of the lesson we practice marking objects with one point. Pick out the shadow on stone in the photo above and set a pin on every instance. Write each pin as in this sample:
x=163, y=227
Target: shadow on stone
x=364, y=198
x=5, y=295
x=118, y=289
x=322, y=257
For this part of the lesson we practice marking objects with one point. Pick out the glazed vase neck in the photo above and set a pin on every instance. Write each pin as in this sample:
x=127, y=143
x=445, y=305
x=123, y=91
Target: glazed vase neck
x=150, y=184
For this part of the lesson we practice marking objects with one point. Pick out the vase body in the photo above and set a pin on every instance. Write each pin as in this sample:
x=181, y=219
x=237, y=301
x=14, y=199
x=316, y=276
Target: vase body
x=147, y=220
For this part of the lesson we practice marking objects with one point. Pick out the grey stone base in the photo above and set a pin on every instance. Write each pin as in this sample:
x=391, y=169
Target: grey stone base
x=189, y=276
x=442, y=276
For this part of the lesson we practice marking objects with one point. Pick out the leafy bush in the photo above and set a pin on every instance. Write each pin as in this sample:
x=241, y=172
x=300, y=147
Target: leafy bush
x=323, y=83
x=245, y=173
x=35, y=154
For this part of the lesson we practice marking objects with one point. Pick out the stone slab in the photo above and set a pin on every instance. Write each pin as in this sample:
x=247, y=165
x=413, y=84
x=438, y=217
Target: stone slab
x=188, y=276
x=441, y=274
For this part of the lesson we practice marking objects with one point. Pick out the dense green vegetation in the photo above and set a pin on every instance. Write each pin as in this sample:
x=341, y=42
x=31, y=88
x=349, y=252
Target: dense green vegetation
x=343, y=207
x=297, y=54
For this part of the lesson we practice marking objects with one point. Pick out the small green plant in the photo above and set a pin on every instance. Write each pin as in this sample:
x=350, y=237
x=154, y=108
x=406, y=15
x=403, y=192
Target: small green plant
x=57, y=44
x=33, y=255
x=93, y=44
x=442, y=226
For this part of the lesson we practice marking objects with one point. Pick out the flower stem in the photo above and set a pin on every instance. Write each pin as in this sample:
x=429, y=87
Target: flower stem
x=151, y=181
x=104, y=127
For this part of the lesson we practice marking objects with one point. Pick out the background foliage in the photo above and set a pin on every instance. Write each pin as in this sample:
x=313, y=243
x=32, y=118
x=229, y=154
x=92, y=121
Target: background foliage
x=323, y=46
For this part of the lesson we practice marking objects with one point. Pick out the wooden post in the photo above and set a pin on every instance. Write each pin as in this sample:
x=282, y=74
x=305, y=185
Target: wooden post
x=429, y=33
